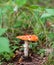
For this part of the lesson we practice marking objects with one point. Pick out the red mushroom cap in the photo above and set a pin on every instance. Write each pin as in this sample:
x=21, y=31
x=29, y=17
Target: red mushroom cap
x=28, y=37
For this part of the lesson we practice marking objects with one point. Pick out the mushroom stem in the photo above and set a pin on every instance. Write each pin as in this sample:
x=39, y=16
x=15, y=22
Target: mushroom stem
x=26, y=48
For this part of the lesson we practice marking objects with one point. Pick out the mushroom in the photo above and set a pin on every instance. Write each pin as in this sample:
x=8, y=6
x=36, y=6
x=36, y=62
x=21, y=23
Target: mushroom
x=27, y=38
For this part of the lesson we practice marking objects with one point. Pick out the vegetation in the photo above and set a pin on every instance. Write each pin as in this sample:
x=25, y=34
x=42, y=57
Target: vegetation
x=27, y=17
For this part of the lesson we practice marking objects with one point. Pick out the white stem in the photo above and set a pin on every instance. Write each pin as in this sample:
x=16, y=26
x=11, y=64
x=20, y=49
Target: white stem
x=26, y=48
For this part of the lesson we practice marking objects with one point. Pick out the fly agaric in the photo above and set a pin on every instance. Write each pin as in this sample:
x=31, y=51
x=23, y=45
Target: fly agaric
x=27, y=38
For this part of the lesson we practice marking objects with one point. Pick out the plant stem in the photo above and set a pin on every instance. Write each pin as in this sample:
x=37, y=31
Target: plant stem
x=26, y=48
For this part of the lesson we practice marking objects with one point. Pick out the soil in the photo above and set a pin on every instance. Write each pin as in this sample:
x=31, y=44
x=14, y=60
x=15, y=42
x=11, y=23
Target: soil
x=32, y=60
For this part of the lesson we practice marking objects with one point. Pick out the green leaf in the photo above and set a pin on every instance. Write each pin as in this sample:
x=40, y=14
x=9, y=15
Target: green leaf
x=48, y=13
x=14, y=47
x=33, y=45
x=20, y=3
x=51, y=35
x=41, y=51
x=2, y=31
x=53, y=44
x=34, y=6
x=18, y=24
x=4, y=45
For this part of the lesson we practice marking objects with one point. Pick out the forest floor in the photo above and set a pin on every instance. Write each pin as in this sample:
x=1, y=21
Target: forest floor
x=32, y=60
